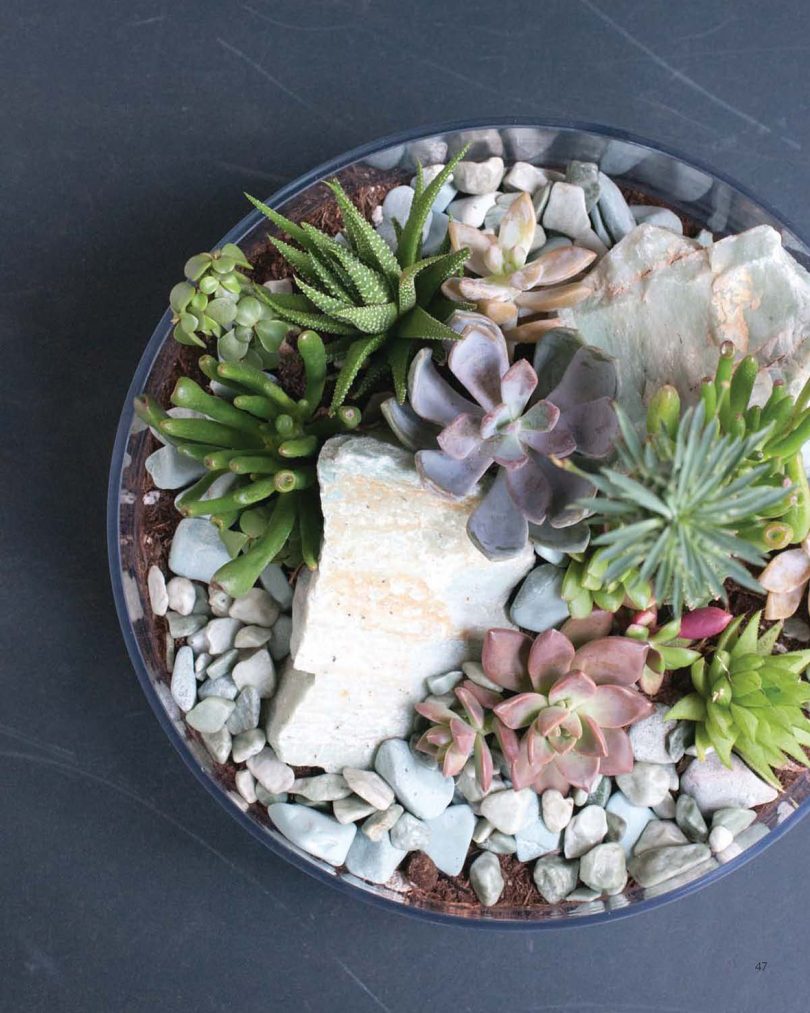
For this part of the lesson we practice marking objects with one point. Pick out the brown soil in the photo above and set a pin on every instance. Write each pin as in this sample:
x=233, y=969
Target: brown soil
x=153, y=526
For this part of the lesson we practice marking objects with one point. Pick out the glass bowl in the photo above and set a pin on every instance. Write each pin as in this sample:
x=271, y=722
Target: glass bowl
x=708, y=199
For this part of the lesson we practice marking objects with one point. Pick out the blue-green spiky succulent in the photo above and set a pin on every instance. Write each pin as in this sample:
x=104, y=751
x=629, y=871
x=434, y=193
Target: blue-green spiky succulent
x=381, y=305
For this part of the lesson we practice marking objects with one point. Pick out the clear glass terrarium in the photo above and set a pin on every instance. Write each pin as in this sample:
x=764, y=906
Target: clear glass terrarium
x=709, y=200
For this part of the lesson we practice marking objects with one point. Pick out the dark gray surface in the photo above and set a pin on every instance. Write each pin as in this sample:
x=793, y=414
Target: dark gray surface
x=129, y=131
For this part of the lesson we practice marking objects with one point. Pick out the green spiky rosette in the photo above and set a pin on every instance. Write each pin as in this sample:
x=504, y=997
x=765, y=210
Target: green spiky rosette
x=381, y=306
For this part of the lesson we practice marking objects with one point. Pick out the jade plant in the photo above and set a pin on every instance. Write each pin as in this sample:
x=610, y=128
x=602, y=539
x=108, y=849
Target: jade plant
x=562, y=716
x=681, y=513
x=749, y=700
x=262, y=447
x=509, y=284
x=216, y=301
x=518, y=418
x=381, y=305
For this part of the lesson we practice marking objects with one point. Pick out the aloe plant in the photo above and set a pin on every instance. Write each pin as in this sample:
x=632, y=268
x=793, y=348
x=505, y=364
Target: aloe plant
x=267, y=444
x=380, y=305
x=750, y=701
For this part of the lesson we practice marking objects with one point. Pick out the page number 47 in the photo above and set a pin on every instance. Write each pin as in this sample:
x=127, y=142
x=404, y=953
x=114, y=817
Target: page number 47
x=760, y=965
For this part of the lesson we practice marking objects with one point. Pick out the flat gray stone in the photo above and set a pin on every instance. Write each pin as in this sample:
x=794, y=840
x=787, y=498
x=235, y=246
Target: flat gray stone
x=374, y=860
x=410, y=833
x=659, y=834
x=509, y=810
x=184, y=626
x=585, y=830
x=257, y=670
x=424, y=792
x=246, y=785
x=313, y=832
x=369, y=786
x=450, y=837
x=662, y=217
x=224, y=686
x=169, y=469
x=220, y=635
x=381, y=822
x=321, y=787
x=210, y=715
x=613, y=208
x=478, y=177
x=252, y=637
x=646, y=785
x=197, y=551
x=635, y=818
x=690, y=819
x=282, y=634
x=255, y=608
x=555, y=877
x=498, y=843
x=246, y=713
x=487, y=879
x=715, y=786
x=660, y=864
x=604, y=868
x=184, y=681
x=247, y=744
x=734, y=819
x=565, y=210
x=535, y=840
x=538, y=604
x=270, y=772
x=744, y=840
x=351, y=809
x=221, y=665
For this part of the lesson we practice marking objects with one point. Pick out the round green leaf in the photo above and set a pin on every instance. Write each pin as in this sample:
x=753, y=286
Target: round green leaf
x=180, y=296
x=223, y=311
x=249, y=311
x=197, y=266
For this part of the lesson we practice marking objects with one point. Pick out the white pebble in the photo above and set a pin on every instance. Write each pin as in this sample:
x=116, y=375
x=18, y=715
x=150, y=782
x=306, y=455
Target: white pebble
x=156, y=586
x=210, y=714
x=182, y=595
x=252, y=636
x=219, y=601
x=256, y=608
x=248, y=744
x=184, y=682
x=220, y=635
x=369, y=786
x=218, y=744
x=246, y=785
x=274, y=775
x=720, y=838
x=256, y=669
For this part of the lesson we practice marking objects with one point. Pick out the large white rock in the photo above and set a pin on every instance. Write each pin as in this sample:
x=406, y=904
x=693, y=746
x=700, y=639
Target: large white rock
x=400, y=594
x=662, y=304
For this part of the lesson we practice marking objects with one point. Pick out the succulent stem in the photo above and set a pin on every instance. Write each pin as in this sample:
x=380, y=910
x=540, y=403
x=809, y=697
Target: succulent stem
x=240, y=574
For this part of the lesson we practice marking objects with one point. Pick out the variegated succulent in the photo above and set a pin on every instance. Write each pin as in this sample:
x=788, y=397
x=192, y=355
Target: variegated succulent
x=381, y=305
x=749, y=700
x=519, y=418
x=561, y=718
x=509, y=285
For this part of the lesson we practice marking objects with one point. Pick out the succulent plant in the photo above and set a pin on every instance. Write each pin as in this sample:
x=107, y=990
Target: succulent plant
x=267, y=444
x=670, y=644
x=216, y=300
x=749, y=700
x=510, y=286
x=785, y=578
x=454, y=737
x=680, y=510
x=382, y=305
x=726, y=398
x=519, y=418
x=560, y=718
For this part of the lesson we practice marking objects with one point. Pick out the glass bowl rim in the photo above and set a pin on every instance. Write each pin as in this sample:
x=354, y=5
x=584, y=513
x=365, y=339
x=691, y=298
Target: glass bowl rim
x=142, y=372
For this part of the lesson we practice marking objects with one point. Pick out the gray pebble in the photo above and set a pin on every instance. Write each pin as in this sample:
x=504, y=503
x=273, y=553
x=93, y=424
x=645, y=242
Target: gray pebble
x=646, y=784
x=373, y=859
x=557, y=811
x=256, y=669
x=322, y=787
x=423, y=792
x=665, y=810
x=218, y=744
x=282, y=632
x=210, y=715
x=274, y=775
x=659, y=834
x=586, y=176
x=266, y=797
x=635, y=817
x=690, y=819
x=585, y=830
x=735, y=820
x=565, y=210
x=220, y=635
x=351, y=809
x=660, y=864
x=247, y=744
x=539, y=604
x=369, y=786
x=534, y=840
x=274, y=580
x=312, y=831
x=197, y=551
x=450, y=837
x=255, y=608
x=219, y=602
x=438, y=684
x=555, y=877
x=222, y=665
x=379, y=823
x=604, y=868
x=648, y=737
x=246, y=785
x=616, y=214
x=510, y=810
x=184, y=681
x=487, y=879
x=715, y=786
x=169, y=469
x=201, y=662
x=246, y=713
x=499, y=844
x=252, y=636
x=617, y=827
x=662, y=217
x=410, y=833
x=223, y=686
x=184, y=626
x=600, y=793
x=742, y=841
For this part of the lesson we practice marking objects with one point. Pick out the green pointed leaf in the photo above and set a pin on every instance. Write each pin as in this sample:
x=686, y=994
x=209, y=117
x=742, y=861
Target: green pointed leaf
x=399, y=356
x=689, y=708
x=294, y=231
x=297, y=259
x=313, y=321
x=409, y=242
x=419, y=324
x=356, y=357
x=329, y=280
x=369, y=245
x=369, y=319
x=442, y=267
x=326, y=303
x=370, y=285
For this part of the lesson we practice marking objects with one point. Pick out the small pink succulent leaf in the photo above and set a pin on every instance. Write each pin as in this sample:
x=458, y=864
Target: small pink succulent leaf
x=592, y=741
x=505, y=656
x=619, y=759
x=553, y=267
x=454, y=760
x=507, y=740
x=489, y=288
x=521, y=710
x=782, y=606
x=561, y=743
x=517, y=386
x=455, y=479
x=786, y=571
x=439, y=735
x=551, y=776
x=592, y=627
x=478, y=362
x=463, y=735
x=487, y=698
x=508, y=451
x=550, y=718
x=572, y=726
x=434, y=711
x=424, y=745
x=461, y=437
x=616, y=706
x=646, y=617
x=483, y=763
x=612, y=660
x=704, y=622
x=517, y=229
x=540, y=418
x=530, y=490
x=431, y=396
x=549, y=659
x=496, y=527
x=472, y=707
x=579, y=769
x=521, y=769
x=538, y=749
x=572, y=689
